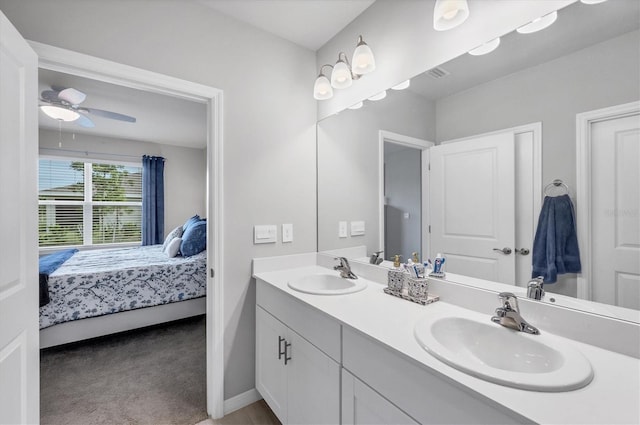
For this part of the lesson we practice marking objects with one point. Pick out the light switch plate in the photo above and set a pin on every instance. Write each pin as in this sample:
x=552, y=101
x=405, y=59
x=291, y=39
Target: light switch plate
x=287, y=233
x=265, y=233
x=342, y=229
x=357, y=228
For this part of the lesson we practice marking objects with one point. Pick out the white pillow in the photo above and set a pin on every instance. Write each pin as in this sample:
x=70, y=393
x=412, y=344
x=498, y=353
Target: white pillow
x=175, y=233
x=173, y=247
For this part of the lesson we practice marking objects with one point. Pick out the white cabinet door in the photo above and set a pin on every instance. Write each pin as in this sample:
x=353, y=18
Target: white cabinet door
x=362, y=405
x=271, y=376
x=472, y=206
x=19, y=354
x=313, y=384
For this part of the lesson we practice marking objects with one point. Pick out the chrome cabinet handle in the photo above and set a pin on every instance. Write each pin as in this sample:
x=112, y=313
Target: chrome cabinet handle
x=280, y=352
x=505, y=250
x=522, y=251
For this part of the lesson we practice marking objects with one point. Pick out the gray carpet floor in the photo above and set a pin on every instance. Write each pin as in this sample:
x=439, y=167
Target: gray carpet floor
x=153, y=375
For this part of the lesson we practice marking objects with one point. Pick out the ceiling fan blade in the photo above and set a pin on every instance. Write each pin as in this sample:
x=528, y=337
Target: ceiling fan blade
x=84, y=121
x=73, y=96
x=109, y=114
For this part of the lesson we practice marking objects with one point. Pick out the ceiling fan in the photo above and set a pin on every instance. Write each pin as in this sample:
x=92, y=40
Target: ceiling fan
x=63, y=104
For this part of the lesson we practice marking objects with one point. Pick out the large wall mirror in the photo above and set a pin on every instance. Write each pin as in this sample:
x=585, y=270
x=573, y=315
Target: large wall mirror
x=527, y=95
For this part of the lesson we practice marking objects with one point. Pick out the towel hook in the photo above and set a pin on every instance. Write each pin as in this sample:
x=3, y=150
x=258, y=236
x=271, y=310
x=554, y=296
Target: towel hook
x=560, y=185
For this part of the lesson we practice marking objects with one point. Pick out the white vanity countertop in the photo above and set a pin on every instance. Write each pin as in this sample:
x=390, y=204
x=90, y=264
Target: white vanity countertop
x=612, y=397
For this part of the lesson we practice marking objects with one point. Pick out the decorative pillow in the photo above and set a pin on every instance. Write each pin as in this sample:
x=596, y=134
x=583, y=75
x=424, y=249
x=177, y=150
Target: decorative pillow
x=173, y=247
x=175, y=233
x=194, y=239
x=189, y=222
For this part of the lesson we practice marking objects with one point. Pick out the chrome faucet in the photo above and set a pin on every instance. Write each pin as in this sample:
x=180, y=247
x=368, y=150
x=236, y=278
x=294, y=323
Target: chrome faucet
x=344, y=268
x=535, y=289
x=376, y=258
x=508, y=315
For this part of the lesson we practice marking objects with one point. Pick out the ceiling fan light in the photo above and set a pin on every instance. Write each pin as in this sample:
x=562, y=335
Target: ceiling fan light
x=58, y=113
x=322, y=89
x=363, y=61
x=341, y=75
x=403, y=85
x=485, y=48
x=539, y=24
x=448, y=14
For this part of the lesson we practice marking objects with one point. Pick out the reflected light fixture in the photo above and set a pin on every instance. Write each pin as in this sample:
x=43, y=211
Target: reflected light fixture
x=539, y=24
x=403, y=85
x=448, y=14
x=60, y=114
x=379, y=96
x=343, y=73
x=485, y=48
x=356, y=106
x=592, y=1
x=322, y=88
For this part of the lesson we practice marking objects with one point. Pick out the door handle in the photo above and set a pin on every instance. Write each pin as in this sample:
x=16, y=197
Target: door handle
x=505, y=250
x=287, y=345
x=280, y=352
x=522, y=251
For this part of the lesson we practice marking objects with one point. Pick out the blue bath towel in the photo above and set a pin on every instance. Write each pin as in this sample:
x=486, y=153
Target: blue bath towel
x=555, y=247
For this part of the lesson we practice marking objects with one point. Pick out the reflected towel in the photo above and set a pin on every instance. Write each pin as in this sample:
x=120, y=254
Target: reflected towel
x=555, y=247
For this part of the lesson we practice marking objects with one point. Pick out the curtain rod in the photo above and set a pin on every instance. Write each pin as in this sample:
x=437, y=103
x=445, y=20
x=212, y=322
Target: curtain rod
x=86, y=153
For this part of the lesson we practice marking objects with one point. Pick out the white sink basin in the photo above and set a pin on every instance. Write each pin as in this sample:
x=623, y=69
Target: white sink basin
x=327, y=284
x=504, y=356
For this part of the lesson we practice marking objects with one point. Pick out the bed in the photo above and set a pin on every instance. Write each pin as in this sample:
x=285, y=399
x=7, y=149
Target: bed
x=98, y=292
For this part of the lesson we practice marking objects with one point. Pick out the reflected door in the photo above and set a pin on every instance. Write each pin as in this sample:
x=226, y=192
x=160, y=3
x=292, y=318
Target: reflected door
x=473, y=206
x=19, y=354
x=615, y=204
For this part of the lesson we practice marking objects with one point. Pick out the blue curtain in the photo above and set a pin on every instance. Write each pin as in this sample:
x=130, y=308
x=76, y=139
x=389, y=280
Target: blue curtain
x=152, y=200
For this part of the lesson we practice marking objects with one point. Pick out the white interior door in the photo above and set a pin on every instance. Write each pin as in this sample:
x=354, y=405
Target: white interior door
x=19, y=352
x=615, y=202
x=473, y=207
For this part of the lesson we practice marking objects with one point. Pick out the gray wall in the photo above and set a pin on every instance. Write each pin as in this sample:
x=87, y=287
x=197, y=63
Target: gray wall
x=269, y=123
x=348, y=157
x=185, y=169
x=403, y=193
x=553, y=93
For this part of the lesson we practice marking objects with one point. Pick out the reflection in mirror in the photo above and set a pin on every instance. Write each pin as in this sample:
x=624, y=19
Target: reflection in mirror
x=531, y=87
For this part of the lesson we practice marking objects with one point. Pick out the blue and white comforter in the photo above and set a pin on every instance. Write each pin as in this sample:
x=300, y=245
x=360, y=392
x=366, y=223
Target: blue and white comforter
x=97, y=282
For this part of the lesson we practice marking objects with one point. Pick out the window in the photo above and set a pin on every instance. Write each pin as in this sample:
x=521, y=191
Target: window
x=88, y=203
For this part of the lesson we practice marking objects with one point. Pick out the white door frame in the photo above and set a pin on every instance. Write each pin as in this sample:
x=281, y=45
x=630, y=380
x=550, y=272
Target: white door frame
x=412, y=142
x=69, y=62
x=584, y=122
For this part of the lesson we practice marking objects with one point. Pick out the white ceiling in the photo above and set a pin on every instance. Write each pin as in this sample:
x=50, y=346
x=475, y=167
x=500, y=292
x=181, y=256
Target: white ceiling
x=308, y=23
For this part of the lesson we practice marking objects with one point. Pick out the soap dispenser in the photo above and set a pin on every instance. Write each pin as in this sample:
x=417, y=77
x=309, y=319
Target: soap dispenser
x=396, y=261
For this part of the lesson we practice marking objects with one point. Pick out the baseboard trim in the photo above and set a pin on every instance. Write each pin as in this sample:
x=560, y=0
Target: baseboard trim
x=241, y=400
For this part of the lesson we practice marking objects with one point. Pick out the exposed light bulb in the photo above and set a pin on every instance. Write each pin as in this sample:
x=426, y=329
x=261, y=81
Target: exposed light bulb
x=379, y=96
x=539, y=24
x=485, y=48
x=403, y=85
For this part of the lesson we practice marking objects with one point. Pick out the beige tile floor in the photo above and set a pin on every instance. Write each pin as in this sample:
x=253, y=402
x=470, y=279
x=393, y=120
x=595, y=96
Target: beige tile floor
x=257, y=413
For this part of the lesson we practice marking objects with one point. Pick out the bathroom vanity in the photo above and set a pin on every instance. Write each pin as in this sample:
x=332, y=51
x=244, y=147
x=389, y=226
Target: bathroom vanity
x=355, y=358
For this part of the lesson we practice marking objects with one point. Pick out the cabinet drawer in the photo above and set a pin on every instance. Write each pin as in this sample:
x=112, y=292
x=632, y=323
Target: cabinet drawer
x=424, y=395
x=317, y=328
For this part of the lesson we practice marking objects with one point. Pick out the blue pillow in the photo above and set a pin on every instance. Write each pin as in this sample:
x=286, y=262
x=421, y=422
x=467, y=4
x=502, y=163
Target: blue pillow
x=194, y=239
x=189, y=222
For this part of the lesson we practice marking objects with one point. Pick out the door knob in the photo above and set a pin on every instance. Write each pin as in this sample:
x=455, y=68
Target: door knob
x=505, y=250
x=522, y=251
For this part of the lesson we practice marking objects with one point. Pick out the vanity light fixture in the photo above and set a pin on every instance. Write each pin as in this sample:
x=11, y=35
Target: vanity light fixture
x=539, y=24
x=356, y=106
x=343, y=73
x=485, y=48
x=592, y=1
x=322, y=88
x=379, y=96
x=403, y=85
x=448, y=14
x=60, y=114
